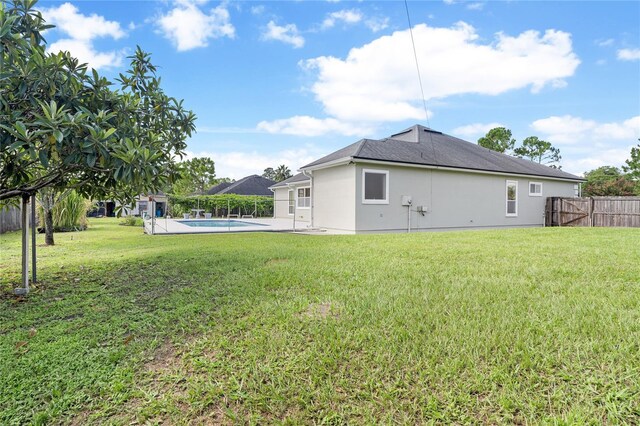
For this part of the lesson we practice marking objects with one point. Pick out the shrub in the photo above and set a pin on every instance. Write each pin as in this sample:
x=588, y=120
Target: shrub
x=132, y=221
x=260, y=206
x=70, y=213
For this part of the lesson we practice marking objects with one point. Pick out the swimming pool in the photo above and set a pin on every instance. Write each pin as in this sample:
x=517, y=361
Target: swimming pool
x=217, y=223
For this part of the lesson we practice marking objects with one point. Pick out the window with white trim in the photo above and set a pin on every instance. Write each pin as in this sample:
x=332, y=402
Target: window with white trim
x=292, y=202
x=512, y=198
x=375, y=186
x=576, y=190
x=304, y=198
x=535, y=189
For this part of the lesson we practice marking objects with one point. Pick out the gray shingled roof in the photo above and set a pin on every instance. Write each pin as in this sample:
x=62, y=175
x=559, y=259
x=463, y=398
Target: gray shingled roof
x=250, y=185
x=219, y=187
x=424, y=146
x=293, y=179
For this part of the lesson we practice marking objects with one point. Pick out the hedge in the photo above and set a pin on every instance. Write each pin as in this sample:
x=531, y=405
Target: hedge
x=259, y=206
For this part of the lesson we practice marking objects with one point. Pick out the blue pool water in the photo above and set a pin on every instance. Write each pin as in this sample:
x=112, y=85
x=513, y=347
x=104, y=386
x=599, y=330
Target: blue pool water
x=217, y=223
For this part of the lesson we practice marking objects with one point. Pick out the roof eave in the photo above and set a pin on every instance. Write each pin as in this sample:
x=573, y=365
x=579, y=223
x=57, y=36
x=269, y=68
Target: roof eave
x=469, y=170
x=328, y=164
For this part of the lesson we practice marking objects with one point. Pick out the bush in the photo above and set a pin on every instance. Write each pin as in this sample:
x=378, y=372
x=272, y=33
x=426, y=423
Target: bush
x=260, y=206
x=70, y=213
x=132, y=221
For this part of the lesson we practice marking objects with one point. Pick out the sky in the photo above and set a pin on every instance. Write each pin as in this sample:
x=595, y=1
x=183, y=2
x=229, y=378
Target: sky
x=286, y=82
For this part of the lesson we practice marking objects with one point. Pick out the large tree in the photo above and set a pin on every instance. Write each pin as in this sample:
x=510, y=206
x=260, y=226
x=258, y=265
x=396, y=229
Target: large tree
x=632, y=165
x=197, y=175
x=498, y=139
x=607, y=181
x=63, y=127
x=281, y=173
x=539, y=151
x=269, y=173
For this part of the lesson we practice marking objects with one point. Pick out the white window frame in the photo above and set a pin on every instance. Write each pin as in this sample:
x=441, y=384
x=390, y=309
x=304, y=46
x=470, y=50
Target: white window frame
x=291, y=201
x=298, y=198
x=386, y=181
x=506, y=196
x=535, y=194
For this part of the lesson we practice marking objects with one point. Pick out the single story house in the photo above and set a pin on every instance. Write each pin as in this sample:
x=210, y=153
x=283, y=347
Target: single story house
x=292, y=197
x=145, y=202
x=419, y=180
x=250, y=185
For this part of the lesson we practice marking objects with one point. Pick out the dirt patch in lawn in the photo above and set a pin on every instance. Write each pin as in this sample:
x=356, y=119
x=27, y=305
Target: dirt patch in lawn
x=276, y=261
x=321, y=311
x=164, y=358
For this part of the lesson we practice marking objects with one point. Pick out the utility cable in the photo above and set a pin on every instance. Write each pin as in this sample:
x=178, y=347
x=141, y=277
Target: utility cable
x=415, y=56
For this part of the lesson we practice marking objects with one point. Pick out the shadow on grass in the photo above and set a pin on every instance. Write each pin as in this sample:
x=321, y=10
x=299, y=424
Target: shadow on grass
x=83, y=332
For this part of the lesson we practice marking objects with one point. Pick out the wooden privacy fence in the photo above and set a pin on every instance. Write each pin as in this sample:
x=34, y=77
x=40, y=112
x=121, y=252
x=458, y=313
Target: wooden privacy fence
x=593, y=211
x=9, y=219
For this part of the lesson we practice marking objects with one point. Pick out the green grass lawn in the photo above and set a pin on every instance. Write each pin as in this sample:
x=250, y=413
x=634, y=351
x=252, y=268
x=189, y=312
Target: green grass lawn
x=507, y=326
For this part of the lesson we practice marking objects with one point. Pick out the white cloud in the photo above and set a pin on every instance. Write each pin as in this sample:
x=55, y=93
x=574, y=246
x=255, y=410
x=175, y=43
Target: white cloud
x=592, y=159
x=257, y=10
x=588, y=144
x=352, y=16
x=629, y=54
x=189, y=27
x=475, y=130
x=605, y=43
x=236, y=165
x=569, y=130
x=377, y=24
x=475, y=6
x=449, y=1
x=311, y=126
x=377, y=83
x=81, y=30
x=287, y=34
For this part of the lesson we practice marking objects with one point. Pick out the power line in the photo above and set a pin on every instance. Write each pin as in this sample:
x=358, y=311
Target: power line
x=415, y=56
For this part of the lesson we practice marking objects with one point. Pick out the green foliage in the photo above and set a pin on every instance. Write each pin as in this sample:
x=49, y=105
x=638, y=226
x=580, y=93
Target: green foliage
x=632, y=165
x=282, y=172
x=538, y=150
x=608, y=181
x=64, y=127
x=131, y=221
x=196, y=176
x=498, y=139
x=511, y=326
x=217, y=204
x=269, y=173
x=69, y=213
x=278, y=174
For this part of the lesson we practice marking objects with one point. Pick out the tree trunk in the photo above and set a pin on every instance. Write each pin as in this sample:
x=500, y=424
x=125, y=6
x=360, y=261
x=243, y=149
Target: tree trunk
x=48, y=227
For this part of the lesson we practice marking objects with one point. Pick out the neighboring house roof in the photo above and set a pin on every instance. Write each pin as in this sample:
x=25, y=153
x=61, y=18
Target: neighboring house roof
x=217, y=188
x=293, y=179
x=250, y=185
x=423, y=146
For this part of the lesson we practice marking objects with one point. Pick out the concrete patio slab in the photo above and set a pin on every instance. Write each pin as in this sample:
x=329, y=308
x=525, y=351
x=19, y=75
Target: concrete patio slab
x=165, y=226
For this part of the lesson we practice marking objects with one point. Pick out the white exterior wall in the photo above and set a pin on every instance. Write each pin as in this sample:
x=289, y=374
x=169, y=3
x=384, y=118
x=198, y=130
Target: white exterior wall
x=333, y=197
x=281, y=203
x=453, y=199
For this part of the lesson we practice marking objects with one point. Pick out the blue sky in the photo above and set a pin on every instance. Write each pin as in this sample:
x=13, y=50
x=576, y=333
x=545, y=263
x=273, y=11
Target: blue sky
x=276, y=82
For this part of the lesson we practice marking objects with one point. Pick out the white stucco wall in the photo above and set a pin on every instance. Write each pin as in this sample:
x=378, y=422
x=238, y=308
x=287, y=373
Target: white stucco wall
x=453, y=199
x=281, y=204
x=334, y=198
